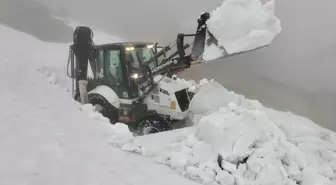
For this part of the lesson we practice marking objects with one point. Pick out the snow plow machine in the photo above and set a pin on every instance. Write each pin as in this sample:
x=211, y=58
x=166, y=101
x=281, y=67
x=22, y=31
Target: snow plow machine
x=132, y=82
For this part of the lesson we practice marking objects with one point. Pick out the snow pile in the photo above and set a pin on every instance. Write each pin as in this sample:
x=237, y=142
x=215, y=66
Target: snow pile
x=118, y=134
x=192, y=84
x=238, y=141
x=242, y=25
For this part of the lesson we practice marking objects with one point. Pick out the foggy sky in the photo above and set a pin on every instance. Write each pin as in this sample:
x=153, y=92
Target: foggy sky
x=34, y=19
x=304, y=51
x=138, y=20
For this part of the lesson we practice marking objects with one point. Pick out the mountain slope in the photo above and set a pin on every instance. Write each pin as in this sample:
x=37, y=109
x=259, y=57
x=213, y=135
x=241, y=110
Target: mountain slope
x=35, y=19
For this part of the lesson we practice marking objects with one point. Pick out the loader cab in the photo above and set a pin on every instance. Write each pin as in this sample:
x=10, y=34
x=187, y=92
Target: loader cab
x=137, y=54
x=118, y=65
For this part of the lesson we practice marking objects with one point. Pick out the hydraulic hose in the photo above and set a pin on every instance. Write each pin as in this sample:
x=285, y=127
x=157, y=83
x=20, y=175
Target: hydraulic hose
x=69, y=59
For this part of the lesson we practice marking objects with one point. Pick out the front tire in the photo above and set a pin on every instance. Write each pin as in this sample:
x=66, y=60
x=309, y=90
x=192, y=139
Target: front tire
x=152, y=124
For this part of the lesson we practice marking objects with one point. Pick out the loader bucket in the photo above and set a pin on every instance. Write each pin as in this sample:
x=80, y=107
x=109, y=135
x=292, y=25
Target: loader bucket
x=199, y=40
x=236, y=28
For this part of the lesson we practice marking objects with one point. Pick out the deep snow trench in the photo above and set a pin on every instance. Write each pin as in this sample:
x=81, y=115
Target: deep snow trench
x=46, y=138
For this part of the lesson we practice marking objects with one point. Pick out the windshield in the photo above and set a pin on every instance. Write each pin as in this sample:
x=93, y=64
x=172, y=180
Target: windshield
x=139, y=55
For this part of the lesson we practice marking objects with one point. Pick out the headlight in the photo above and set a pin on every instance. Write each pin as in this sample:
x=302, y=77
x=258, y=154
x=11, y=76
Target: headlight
x=129, y=48
x=150, y=46
x=135, y=75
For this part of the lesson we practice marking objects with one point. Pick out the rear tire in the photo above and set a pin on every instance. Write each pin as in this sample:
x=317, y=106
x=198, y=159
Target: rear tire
x=104, y=107
x=152, y=124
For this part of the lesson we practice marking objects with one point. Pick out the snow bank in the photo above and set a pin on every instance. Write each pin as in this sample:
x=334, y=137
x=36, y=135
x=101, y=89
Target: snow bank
x=242, y=25
x=238, y=141
x=49, y=60
x=47, y=138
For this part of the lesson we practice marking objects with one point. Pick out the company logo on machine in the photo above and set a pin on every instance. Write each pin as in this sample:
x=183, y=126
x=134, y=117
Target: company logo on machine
x=164, y=91
x=161, y=66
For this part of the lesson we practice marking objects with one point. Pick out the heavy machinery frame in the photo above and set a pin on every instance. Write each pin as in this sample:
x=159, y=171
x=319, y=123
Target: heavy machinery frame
x=143, y=95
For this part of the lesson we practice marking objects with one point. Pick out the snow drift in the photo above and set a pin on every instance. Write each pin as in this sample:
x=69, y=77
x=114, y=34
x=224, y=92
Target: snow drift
x=242, y=25
x=239, y=141
x=46, y=137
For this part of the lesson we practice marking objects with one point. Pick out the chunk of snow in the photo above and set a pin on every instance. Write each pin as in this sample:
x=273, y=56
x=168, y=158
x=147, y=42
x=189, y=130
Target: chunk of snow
x=120, y=134
x=212, y=96
x=311, y=177
x=212, y=52
x=107, y=93
x=229, y=167
x=242, y=25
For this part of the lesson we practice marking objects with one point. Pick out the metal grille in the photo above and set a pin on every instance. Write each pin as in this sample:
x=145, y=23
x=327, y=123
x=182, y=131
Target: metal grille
x=182, y=99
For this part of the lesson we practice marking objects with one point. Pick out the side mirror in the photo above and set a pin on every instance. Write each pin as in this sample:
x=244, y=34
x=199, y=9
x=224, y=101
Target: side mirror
x=155, y=47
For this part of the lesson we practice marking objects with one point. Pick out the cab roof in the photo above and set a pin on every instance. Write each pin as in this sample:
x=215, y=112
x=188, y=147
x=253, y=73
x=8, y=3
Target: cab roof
x=123, y=44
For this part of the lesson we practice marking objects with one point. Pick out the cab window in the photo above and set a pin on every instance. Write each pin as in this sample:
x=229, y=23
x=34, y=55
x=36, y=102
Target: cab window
x=114, y=70
x=100, y=65
x=138, y=55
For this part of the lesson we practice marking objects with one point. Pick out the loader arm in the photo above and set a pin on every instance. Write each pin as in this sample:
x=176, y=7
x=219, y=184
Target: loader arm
x=178, y=60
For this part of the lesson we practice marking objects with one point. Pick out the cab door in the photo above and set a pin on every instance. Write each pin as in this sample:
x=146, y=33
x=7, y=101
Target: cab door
x=113, y=73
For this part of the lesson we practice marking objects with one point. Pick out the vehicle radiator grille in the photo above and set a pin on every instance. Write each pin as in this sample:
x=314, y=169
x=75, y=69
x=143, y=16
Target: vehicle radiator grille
x=183, y=99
